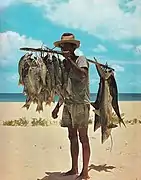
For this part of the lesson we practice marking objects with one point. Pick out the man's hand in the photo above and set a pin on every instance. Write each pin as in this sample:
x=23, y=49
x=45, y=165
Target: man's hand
x=57, y=107
x=55, y=112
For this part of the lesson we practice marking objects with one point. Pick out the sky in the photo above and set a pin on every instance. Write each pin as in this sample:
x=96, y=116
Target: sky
x=109, y=30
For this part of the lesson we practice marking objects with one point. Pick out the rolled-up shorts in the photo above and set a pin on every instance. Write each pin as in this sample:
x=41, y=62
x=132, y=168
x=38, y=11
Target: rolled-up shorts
x=75, y=115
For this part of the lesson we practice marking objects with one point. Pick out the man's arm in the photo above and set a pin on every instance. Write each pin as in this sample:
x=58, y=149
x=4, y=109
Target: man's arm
x=82, y=72
x=56, y=109
x=60, y=102
x=81, y=69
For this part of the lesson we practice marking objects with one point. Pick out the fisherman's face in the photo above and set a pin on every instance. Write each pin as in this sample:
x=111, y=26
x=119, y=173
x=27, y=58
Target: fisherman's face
x=68, y=47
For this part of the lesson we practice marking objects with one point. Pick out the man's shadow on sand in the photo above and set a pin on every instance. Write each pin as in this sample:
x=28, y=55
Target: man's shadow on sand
x=59, y=175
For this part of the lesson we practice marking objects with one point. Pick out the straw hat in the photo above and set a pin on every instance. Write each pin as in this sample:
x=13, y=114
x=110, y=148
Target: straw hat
x=67, y=38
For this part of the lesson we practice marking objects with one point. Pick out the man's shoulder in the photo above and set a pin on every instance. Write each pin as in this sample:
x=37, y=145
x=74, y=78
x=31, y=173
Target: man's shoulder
x=82, y=60
x=82, y=57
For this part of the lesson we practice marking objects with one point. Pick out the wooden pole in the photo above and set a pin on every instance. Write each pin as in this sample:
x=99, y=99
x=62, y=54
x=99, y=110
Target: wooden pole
x=61, y=53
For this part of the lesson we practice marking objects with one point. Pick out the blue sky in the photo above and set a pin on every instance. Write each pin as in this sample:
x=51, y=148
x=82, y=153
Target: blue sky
x=110, y=30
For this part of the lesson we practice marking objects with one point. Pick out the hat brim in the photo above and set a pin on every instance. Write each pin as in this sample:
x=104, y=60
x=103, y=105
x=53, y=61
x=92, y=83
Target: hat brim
x=58, y=43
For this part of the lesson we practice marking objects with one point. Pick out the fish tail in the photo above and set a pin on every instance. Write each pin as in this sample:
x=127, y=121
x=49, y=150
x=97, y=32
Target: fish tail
x=26, y=106
x=121, y=121
x=39, y=108
x=97, y=112
x=97, y=122
x=105, y=134
x=34, y=101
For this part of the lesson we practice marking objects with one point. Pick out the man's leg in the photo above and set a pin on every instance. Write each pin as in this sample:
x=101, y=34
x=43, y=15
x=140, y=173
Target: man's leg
x=83, y=135
x=74, y=149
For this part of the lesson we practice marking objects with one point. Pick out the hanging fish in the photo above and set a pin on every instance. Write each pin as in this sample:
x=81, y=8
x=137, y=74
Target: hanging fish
x=104, y=106
x=43, y=70
x=56, y=70
x=96, y=105
x=114, y=94
x=50, y=68
x=23, y=66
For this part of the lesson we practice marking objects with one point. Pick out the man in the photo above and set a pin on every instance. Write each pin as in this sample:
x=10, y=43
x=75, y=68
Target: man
x=75, y=114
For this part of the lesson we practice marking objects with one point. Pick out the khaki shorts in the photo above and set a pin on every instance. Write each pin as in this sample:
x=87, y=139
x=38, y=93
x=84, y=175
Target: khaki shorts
x=75, y=115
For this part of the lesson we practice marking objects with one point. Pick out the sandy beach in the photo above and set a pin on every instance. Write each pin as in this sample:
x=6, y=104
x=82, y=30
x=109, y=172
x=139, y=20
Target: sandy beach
x=31, y=153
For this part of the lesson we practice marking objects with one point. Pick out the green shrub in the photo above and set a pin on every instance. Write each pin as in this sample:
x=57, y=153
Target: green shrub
x=19, y=122
x=39, y=122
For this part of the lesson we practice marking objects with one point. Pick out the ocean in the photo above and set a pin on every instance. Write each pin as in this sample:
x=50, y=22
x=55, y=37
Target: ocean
x=19, y=97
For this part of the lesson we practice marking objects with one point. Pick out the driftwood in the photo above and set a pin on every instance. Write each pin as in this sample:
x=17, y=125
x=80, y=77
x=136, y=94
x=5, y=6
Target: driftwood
x=48, y=50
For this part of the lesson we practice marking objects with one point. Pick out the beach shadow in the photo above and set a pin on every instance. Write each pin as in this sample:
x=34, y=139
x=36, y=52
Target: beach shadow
x=59, y=175
x=56, y=176
x=100, y=168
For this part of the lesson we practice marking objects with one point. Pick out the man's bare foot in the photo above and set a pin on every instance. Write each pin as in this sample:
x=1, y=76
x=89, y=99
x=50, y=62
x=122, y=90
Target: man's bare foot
x=83, y=176
x=71, y=172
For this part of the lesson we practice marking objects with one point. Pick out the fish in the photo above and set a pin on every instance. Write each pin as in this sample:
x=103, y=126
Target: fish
x=32, y=86
x=43, y=77
x=56, y=70
x=43, y=70
x=50, y=68
x=28, y=103
x=114, y=94
x=57, y=89
x=28, y=92
x=63, y=73
x=59, y=72
x=51, y=77
x=96, y=105
x=104, y=105
x=40, y=101
x=23, y=65
x=35, y=80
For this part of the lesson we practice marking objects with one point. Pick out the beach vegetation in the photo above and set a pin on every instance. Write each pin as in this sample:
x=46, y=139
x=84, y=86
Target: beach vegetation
x=47, y=122
x=42, y=122
x=133, y=121
x=18, y=122
x=115, y=118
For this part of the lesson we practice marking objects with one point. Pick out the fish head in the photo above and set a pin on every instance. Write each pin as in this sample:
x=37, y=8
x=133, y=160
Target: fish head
x=54, y=58
x=108, y=72
x=28, y=55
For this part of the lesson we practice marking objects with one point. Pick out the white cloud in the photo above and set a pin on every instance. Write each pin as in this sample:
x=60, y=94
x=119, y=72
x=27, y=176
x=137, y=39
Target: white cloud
x=136, y=49
x=10, y=44
x=127, y=46
x=103, y=60
x=6, y=3
x=124, y=62
x=113, y=64
x=78, y=52
x=105, y=19
x=117, y=68
x=100, y=48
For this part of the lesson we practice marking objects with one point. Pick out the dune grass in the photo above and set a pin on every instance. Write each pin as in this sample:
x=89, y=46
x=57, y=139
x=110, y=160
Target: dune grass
x=22, y=121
